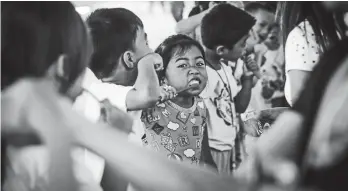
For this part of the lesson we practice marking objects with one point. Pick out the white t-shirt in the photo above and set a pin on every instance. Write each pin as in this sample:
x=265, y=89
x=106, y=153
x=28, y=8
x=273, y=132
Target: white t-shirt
x=88, y=105
x=217, y=99
x=301, y=52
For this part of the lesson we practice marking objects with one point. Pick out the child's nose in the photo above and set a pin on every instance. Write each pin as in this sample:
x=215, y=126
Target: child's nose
x=193, y=71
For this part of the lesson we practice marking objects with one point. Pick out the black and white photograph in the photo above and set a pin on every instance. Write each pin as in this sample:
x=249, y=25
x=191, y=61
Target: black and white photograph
x=174, y=95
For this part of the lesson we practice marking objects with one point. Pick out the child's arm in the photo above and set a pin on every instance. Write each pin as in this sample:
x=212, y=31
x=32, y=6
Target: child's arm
x=242, y=99
x=187, y=26
x=147, y=91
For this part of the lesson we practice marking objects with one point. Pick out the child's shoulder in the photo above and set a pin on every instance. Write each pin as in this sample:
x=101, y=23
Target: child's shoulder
x=201, y=106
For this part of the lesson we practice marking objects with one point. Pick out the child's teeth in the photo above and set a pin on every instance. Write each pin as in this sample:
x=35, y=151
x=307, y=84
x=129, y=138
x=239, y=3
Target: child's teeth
x=194, y=82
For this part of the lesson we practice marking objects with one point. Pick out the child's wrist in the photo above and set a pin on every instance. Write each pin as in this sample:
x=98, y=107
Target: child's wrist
x=247, y=76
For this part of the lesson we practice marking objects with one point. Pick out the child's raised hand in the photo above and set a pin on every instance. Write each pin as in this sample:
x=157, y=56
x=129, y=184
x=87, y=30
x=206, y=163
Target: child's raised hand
x=153, y=58
x=167, y=93
x=251, y=66
x=250, y=63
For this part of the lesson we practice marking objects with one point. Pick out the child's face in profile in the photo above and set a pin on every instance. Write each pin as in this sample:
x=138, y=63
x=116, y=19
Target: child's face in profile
x=187, y=69
x=237, y=50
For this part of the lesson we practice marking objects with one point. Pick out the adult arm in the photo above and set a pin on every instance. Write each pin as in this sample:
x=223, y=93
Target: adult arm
x=296, y=80
x=301, y=55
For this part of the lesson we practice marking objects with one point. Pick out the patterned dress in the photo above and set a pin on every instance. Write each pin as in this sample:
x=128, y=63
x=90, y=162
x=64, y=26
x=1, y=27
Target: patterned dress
x=175, y=131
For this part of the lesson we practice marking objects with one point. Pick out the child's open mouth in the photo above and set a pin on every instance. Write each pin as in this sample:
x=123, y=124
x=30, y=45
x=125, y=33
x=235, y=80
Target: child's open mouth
x=194, y=82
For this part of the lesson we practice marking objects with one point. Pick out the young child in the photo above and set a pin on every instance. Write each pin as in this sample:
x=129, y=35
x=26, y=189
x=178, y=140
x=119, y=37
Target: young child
x=268, y=91
x=122, y=71
x=225, y=37
x=264, y=15
x=177, y=127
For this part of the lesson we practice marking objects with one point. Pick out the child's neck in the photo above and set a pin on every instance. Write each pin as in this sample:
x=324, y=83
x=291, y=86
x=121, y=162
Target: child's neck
x=184, y=101
x=213, y=59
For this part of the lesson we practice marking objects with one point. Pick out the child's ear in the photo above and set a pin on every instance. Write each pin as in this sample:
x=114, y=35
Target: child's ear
x=60, y=66
x=221, y=50
x=57, y=69
x=129, y=59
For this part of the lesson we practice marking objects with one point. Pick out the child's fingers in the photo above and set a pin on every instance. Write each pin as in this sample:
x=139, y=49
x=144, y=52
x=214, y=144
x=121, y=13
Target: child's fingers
x=251, y=64
x=172, y=92
x=167, y=93
x=163, y=95
x=172, y=89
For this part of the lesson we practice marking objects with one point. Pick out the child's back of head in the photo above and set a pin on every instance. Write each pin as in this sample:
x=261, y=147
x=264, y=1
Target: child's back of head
x=114, y=32
x=35, y=34
x=225, y=25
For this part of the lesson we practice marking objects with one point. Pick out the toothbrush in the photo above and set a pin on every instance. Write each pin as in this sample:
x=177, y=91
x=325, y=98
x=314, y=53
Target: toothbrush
x=185, y=89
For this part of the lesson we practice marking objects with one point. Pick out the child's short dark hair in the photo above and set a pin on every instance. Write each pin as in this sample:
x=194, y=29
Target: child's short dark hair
x=176, y=44
x=35, y=34
x=252, y=7
x=225, y=25
x=113, y=32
